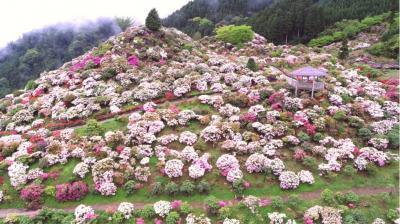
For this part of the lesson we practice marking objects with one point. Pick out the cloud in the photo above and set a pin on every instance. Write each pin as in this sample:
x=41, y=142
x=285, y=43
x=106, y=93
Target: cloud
x=21, y=16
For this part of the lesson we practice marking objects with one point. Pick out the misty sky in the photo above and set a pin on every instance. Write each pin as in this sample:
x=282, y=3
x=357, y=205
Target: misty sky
x=21, y=16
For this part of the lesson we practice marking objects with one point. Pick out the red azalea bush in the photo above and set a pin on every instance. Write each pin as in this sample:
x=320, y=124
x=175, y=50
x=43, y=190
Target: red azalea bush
x=71, y=191
x=248, y=117
x=32, y=194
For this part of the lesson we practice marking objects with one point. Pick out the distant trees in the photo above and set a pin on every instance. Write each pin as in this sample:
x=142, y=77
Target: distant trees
x=153, y=21
x=235, y=34
x=47, y=49
x=124, y=22
x=284, y=21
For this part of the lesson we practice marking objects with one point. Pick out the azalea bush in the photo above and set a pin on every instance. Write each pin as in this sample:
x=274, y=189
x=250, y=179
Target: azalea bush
x=71, y=191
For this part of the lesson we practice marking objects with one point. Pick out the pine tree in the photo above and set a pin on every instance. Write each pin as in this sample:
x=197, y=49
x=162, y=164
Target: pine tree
x=153, y=21
x=344, y=50
x=251, y=64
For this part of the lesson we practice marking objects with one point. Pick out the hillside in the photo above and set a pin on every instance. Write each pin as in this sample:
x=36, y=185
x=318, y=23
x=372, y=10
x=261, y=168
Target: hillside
x=153, y=126
x=47, y=49
x=281, y=21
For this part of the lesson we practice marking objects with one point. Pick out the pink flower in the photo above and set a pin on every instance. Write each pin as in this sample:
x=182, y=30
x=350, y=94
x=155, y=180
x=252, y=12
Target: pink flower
x=140, y=221
x=158, y=221
x=133, y=60
x=162, y=62
x=308, y=220
x=91, y=216
x=176, y=204
x=264, y=202
x=246, y=184
x=222, y=204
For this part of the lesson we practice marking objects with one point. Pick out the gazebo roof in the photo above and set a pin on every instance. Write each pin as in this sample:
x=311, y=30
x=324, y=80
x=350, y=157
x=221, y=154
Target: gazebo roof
x=308, y=71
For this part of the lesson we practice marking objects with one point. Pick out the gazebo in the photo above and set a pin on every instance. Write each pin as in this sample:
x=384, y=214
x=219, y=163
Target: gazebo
x=306, y=78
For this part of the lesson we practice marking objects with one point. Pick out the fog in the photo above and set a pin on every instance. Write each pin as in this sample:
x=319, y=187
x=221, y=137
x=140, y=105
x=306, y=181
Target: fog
x=22, y=16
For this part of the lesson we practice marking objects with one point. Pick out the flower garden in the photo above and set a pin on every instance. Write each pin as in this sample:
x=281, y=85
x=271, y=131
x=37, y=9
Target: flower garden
x=187, y=133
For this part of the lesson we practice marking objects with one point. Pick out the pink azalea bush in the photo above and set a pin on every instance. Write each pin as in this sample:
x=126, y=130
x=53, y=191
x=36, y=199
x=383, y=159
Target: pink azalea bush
x=71, y=191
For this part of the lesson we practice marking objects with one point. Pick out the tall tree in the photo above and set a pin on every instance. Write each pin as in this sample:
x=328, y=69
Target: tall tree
x=153, y=21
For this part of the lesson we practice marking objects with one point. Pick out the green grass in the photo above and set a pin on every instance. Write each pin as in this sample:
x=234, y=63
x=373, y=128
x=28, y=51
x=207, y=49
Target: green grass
x=108, y=125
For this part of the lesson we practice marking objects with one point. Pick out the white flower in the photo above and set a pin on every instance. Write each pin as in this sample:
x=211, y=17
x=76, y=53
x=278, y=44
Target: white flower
x=196, y=171
x=1, y=196
x=231, y=221
x=276, y=218
x=289, y=180
x=188, y=138
x=83, y=213
x=255, y=163
x=378, y=221
x=173, y=168
x=126, y=209
x=17, y=174
x=234, y=175
x=251, y=202
x=81, y=169
x=162, y=208
x=227, y=162
x=306, y=176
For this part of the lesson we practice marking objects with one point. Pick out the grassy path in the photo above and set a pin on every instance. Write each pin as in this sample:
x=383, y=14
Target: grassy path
x=364, y=191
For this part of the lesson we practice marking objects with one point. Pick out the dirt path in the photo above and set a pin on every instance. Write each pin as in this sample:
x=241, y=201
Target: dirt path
x=113, y=206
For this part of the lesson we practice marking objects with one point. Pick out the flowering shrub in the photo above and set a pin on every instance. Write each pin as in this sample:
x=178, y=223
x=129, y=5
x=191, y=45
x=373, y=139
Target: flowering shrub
x=162, y=208
x=173, y=168
x=71, y=191
x=255, y=163
x=17, y=174
x=32, y=193
x=83, y=214
x=227, y=162
x=188, y=138
x=306, y=176
x=126, y=209
x=289, y=180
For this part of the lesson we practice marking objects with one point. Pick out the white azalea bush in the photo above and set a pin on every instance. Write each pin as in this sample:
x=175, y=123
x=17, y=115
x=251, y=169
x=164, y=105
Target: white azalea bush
x=162, y=208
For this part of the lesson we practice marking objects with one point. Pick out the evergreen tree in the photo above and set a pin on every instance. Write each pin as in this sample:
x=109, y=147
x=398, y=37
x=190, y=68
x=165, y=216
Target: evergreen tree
x=153, y=21
x=344, y=50
x=251, y=64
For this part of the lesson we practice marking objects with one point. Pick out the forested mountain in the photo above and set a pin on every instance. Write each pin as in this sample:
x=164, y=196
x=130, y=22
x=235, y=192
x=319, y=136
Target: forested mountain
x=49, y=48
x=280, y=21
x=213, y=12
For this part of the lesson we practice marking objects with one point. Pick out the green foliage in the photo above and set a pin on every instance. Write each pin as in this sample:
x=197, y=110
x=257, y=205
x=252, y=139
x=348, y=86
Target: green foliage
x=393, y=137
x=185, y=208
x=328, y=197
x=171, y=188
x=344, y=50
x=251, y=64
x=30, y=85
x=276, y=53
x=211, y=203
x=235, y=34
x=277, y=202
x=124, y=22
x=349, y=170
x=303, y=136
x=108, y=73
x=102, y=49
x=339, y=115
x=50, y=191
x=153, y=21
x=93, y=128
x=157, y=188
x=318, y=136
x=392, y=214
x=238, y=186
x=364, y=133
x=172, y=218
x=351, y=197
x=147, y=212
x=293, y=200
x=309, y=162
x=321, y=41
x=203, y=187
x=187, y=187
x=129, y=187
